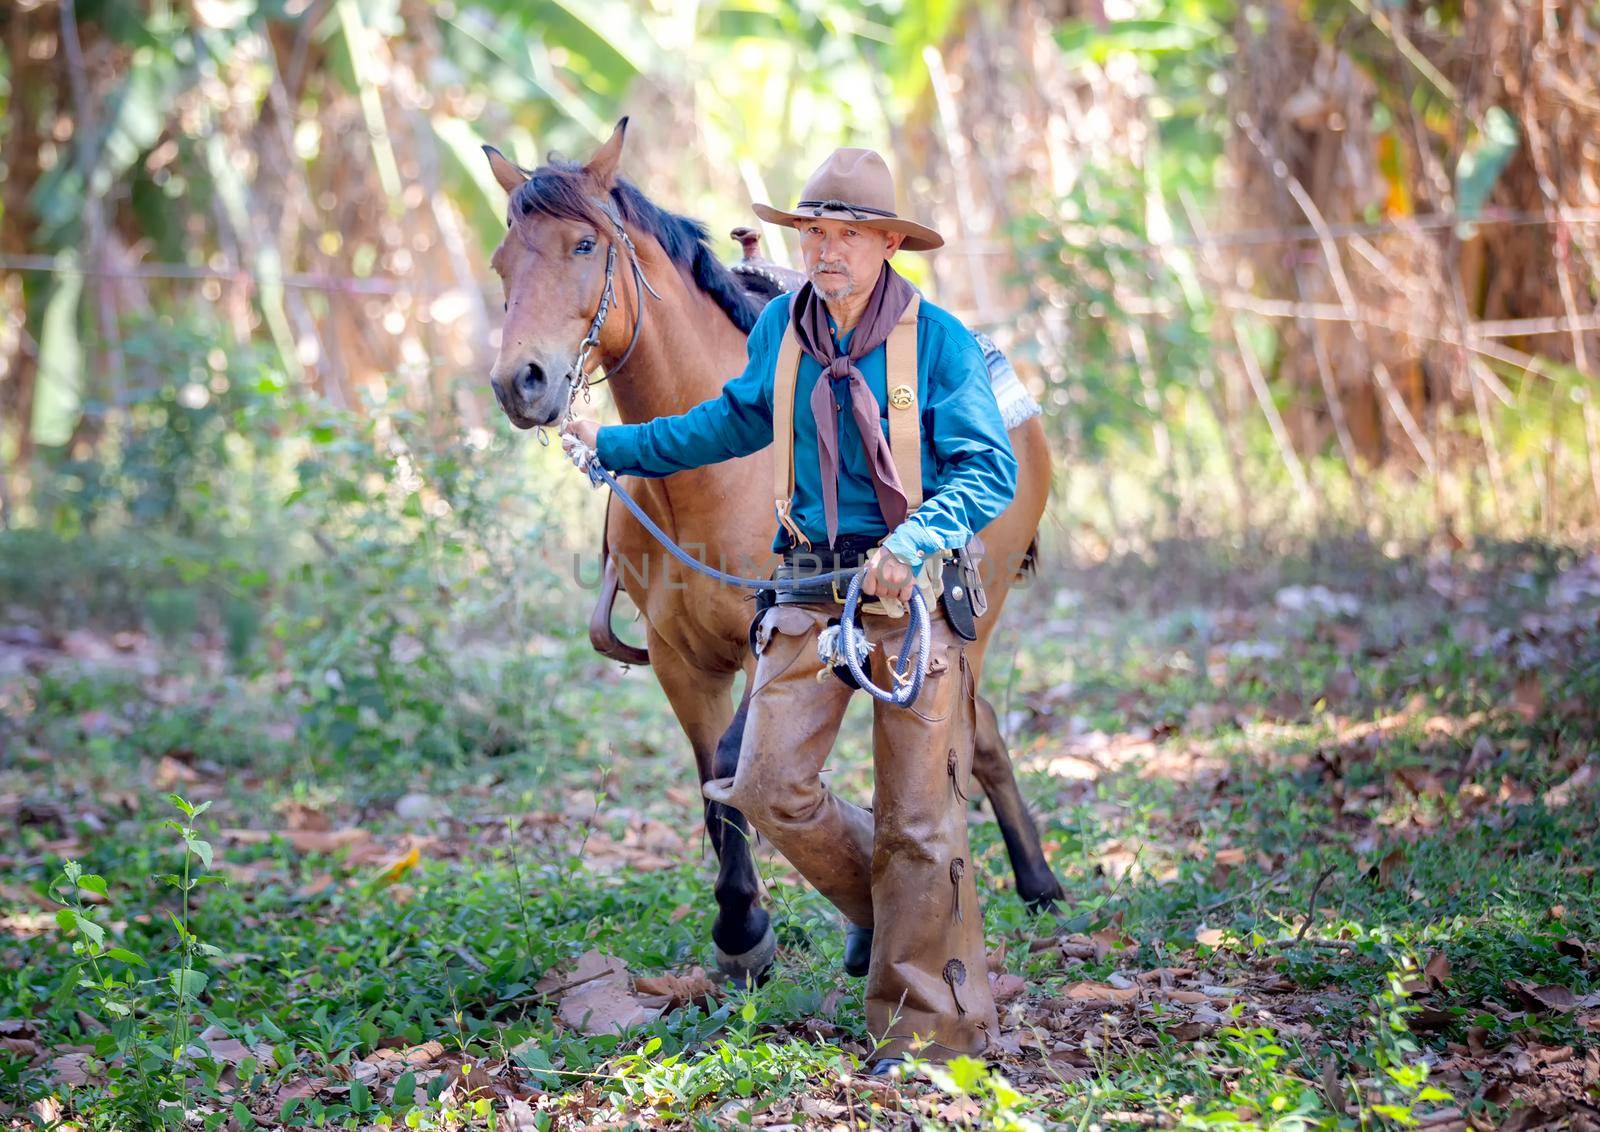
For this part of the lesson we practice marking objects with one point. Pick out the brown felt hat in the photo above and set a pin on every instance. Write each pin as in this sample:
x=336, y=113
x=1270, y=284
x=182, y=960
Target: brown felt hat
x=854, y=184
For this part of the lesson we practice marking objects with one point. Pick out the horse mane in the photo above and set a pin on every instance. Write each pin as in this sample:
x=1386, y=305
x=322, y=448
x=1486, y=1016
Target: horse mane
x=559, y=189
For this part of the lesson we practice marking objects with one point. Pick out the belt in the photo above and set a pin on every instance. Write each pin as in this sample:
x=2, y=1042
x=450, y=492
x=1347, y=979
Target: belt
x=846, y=553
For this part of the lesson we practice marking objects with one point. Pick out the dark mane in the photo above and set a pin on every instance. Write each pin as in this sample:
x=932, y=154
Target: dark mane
x=558, y=190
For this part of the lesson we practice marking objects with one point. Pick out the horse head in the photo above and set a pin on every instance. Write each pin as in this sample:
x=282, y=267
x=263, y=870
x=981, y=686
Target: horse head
x=562, y=262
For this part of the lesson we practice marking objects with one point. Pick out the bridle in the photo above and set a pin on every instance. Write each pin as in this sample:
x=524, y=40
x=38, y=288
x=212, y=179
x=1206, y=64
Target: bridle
x=578, y=379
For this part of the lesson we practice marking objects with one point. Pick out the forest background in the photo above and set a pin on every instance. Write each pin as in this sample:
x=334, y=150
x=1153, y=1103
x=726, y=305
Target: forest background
x=1309, y=291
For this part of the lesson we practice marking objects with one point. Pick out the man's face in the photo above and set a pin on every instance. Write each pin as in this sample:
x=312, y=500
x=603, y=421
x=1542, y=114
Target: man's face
x=843, y=257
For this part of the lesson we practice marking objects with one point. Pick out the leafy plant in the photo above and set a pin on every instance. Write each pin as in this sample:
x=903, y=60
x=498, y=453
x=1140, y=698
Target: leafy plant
x=999, y=1105
x=145, y=1056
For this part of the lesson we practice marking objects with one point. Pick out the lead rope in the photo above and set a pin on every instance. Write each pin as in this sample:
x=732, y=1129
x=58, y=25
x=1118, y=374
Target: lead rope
x=907, y=671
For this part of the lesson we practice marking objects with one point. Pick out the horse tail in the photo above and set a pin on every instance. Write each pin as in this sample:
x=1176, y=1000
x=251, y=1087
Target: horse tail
x=1029, y=566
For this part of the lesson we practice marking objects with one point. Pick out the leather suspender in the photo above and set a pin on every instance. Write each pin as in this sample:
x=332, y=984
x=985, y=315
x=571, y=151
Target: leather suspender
x=905, y=419
x=783, y=382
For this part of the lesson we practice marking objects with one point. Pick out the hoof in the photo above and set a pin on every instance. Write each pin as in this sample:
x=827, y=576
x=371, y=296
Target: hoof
x=857, y=950
x=748, y=966
x=1047, y=900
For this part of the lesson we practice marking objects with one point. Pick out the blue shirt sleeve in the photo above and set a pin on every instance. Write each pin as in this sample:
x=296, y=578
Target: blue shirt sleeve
x=736, y=423
x=976, y=467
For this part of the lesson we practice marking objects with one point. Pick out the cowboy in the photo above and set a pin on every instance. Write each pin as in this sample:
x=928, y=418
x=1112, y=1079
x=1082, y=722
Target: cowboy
x=901, y=873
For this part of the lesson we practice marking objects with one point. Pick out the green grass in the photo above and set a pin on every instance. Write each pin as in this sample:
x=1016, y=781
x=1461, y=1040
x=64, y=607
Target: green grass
x=1289, y=812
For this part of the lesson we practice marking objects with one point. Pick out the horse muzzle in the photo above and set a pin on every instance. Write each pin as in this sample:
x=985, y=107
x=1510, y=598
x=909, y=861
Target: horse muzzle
x=530, y=395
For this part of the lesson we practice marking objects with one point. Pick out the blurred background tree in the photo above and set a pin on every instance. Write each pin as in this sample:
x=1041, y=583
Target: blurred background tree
x=1338, y=256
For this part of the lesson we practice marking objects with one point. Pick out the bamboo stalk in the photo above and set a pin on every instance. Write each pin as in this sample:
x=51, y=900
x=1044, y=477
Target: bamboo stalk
x=1257, y=380
x=1408, y=50
x=1580, y=353
x=1217, y=399
x=1330, y=394
x=1341, y=284
x=89, y=143
x=961, y=159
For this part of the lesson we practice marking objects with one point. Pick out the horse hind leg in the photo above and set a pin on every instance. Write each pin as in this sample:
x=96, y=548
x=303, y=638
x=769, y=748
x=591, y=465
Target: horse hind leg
x=991, y=766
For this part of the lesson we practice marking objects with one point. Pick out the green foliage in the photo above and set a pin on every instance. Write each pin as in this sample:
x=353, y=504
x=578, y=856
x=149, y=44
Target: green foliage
x=740, y=1066
x=999, y=1105
x=145, y=1057
x=190, y=439
x=320, y=964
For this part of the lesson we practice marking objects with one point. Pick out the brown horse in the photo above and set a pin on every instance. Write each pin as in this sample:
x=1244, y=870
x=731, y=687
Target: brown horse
x=585, y=256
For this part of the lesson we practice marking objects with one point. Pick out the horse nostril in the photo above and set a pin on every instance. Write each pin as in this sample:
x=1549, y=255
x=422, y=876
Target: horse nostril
x=530, y=380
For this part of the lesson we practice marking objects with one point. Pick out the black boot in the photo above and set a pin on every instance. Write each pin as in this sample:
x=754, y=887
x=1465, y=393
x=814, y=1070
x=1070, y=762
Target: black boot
x=857, y=950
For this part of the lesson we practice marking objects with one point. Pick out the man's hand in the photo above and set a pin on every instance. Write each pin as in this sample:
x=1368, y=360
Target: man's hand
x=887, y=576
x=584, y=431
x=578, y=442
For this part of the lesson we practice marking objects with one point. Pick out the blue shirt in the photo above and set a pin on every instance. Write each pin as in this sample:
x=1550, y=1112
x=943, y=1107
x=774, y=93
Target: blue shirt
x=969, y=473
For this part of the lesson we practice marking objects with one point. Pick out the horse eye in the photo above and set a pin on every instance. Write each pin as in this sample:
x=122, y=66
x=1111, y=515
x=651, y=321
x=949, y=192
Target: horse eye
x=585, y=246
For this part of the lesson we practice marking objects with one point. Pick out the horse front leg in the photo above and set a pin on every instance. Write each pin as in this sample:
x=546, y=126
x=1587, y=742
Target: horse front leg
x=743, y=930
x=701, y=700
x=991, y=766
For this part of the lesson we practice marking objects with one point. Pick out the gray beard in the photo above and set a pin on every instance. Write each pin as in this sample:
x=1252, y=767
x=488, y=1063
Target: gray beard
x=841, y=291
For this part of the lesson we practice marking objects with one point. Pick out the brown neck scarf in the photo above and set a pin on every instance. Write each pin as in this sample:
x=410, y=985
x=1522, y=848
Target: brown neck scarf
x=809, y=316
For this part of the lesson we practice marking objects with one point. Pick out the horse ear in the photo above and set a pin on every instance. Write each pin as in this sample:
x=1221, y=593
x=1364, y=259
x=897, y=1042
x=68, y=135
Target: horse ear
x=602, y=167
x=509, y=175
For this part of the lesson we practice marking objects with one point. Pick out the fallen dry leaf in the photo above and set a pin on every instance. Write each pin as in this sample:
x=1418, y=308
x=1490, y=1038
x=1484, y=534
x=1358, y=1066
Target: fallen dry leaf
x=1108, y=942
x=301, y=840
x=1527, y=698
x=398, y=868
x=314, y=887
x=226, y=1051
x=596, y=998
x=1332, y=1087
x=995, y=960
x=299, y=1090
x=1436, y=969
x=669, y=992
x=425, y=1054
x=1163, y=976
x=300, y=816
x=70, y=1069
x=1100, y=992
x=1005, y=986
x=21, y=894
x=1560, y=999
x=1559, y=796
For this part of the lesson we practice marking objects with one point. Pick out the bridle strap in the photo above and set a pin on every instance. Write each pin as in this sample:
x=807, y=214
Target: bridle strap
x=608, y=294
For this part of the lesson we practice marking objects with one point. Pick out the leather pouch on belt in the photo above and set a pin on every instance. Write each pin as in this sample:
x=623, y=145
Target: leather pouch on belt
x=958, y=599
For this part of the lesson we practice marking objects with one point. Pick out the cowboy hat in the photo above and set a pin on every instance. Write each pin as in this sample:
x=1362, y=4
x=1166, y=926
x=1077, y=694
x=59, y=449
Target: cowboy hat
x=856, y=185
